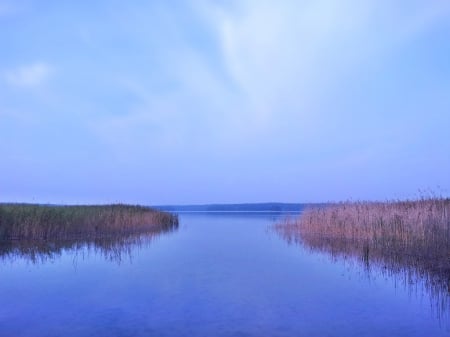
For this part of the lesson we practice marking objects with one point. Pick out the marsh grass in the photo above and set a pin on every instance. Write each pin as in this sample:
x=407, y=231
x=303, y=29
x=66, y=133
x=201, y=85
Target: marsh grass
x=28, y=222
x=407, y=238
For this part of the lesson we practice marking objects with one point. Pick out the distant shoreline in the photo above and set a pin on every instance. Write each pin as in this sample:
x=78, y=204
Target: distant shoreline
x=265, y=207
x=181, y=211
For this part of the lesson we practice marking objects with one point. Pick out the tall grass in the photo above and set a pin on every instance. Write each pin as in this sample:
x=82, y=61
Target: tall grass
x=42, y=222
x=407, y=237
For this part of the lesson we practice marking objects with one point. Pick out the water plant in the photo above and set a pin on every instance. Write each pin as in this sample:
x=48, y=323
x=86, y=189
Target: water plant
x=49, y=222
x=408, y=238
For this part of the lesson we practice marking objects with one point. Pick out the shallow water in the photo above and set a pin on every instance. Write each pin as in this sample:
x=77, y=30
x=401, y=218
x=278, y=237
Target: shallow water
x=218, y=275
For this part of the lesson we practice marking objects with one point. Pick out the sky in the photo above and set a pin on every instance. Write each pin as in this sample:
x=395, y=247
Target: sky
x=187, y=102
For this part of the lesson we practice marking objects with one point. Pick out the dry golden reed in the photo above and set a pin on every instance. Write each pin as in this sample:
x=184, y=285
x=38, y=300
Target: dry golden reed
x=399, y=235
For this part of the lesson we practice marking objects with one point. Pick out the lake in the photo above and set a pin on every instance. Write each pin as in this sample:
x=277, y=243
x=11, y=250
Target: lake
x=217, y=275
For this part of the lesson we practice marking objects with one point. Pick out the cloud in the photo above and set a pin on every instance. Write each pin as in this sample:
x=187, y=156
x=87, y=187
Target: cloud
x=32, y=75
x=271, y=73
x=215, y=89
x=267, y=48
x=289, y=58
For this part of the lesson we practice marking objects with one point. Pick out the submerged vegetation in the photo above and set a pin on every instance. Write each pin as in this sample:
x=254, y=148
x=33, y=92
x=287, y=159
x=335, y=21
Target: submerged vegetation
x=44, y=222
x=410, y=238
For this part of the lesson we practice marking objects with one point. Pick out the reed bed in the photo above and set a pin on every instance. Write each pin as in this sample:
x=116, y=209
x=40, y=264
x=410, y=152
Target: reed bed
x=408, y=238
x=42, y=222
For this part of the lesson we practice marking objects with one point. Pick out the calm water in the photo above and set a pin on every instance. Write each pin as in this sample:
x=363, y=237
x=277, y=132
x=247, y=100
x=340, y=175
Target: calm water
x=218, y=275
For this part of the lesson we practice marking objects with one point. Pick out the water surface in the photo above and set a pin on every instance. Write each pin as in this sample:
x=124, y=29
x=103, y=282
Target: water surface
x=218, y=275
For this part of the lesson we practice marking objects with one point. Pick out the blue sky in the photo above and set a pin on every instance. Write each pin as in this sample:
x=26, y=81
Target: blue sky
x=178, y=102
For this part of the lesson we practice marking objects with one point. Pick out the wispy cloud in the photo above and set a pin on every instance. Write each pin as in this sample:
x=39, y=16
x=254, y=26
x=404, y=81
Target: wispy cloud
x=32, y=75
x=269, y=49
x=246, y=89
x=284, y=62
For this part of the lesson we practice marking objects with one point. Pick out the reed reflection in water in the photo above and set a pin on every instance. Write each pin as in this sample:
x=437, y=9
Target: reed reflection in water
x=421, y=279
x=113, y=248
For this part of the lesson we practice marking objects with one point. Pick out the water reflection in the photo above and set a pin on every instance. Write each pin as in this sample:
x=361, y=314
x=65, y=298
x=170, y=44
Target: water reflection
x=407, y=271
x=218, y=276
x=112, y=248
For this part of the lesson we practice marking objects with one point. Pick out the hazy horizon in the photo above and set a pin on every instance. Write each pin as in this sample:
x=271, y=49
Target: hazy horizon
x=208, y=102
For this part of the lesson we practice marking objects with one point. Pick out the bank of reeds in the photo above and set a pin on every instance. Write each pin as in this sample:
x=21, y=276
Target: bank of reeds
x=44, y=222
x=400, y=236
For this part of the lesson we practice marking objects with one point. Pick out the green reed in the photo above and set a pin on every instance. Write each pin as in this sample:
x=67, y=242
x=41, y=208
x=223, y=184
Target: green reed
x=47, y=222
